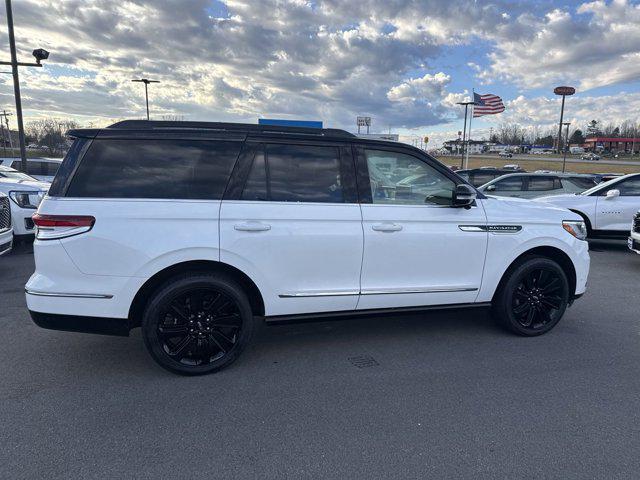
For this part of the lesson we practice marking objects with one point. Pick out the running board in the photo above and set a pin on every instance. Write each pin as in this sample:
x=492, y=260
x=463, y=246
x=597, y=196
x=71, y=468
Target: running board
x=348, y=314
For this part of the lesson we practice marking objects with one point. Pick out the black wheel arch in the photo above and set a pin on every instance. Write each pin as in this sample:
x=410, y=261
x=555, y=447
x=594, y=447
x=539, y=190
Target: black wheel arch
x=196, y=266
x=553, y=253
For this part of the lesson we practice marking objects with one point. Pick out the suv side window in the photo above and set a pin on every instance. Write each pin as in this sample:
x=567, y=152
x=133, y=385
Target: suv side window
x=255, y=188
x=155, y=168
x=35, y=167
x=629, y=188
x=511, y=184
x=295, y=173
x=480, y=178
x=539, y=184
x=400, y=179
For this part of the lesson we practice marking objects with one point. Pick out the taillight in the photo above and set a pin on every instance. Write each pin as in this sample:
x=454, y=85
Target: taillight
x=50, y=227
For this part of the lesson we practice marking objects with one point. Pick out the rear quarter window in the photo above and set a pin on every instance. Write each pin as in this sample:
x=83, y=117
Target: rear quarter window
x=161, y=169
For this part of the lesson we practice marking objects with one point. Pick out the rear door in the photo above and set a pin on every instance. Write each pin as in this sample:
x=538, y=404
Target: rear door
x=616, y=213
x=418, y=249
x=291, y=221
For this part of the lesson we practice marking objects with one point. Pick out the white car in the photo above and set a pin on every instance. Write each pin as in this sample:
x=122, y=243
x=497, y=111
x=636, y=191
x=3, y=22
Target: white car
x=607, y=208
x=25, y=194
x=194, y=230
x=533, y=185
x=6, y=231
x=634, y=237
x=42, y=168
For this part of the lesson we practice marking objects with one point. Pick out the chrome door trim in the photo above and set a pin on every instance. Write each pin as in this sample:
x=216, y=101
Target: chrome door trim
x=402, y=291
x=336, y=293
x=67, y=295
x=397, y=291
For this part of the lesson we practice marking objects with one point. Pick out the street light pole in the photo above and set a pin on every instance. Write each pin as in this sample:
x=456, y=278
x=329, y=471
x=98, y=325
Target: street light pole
x=16, y=87
x=566, y=144
x=146, y=82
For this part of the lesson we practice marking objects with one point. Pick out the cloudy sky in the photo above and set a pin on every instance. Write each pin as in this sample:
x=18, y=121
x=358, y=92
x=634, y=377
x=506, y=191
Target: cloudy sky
x=405, y=63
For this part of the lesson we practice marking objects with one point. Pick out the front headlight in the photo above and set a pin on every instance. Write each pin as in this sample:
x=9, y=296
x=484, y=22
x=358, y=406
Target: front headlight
x=577, y=228
x=27, y=199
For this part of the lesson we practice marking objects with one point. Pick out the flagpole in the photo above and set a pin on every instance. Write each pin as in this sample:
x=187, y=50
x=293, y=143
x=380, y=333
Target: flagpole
x=466, y=160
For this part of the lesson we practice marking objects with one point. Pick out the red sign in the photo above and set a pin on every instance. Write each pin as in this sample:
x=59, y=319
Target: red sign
x=564, y=90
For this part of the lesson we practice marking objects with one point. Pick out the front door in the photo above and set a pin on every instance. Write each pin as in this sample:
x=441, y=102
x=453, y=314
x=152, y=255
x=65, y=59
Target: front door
x=418, y=249
x=616, y=213
x=293, y=224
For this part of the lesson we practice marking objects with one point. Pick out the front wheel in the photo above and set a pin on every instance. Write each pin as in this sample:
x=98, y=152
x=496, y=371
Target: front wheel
x=197, y=323
x=533, y=297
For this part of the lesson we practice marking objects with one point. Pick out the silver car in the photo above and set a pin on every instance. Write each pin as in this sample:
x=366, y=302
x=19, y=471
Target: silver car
x=532, y=185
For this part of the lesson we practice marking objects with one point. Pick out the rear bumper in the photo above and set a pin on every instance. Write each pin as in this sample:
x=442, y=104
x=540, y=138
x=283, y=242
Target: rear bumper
x=72, y=323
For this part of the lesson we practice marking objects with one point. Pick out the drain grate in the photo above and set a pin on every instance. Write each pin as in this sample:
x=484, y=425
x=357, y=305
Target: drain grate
x=363, y=361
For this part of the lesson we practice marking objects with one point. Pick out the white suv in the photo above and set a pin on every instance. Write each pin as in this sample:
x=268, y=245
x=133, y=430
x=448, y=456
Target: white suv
x=25, y=194
x=6, y=232
x=192, y=230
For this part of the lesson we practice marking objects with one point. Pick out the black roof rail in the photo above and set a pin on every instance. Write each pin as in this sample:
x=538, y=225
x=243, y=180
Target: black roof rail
x=234, y=127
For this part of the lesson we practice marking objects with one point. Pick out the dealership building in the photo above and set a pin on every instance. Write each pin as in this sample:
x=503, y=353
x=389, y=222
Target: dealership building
x=612, y=144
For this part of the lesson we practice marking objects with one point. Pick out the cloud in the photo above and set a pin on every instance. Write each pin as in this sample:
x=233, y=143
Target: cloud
x=329, y=60
x=598, y=45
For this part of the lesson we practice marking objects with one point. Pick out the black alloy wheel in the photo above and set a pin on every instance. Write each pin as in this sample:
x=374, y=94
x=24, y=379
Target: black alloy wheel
x=199, y=327
x=197, y=324
x=538, y=298
x=532, y=297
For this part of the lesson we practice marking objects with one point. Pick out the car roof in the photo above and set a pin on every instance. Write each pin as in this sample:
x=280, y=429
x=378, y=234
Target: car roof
x=237, y=131
x=136, y=126
x=541, y=174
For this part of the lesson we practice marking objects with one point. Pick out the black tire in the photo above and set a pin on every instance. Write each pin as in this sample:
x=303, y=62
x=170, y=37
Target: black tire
x=532, y=297
x=197, y=323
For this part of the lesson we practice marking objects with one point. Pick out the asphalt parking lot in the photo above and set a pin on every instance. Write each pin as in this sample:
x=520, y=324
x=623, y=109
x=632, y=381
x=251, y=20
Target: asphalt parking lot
x=444, y=395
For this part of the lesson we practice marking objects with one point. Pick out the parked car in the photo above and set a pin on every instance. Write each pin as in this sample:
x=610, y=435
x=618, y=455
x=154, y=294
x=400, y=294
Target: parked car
x=25, y=195
x=512, y=166
x=480, y=176
x=532, y=185
x=607, y=208
x=590, y=156
x=505, y=154
x=6, y=230
x=634, y=237
x=43, y=169
x=192, y=230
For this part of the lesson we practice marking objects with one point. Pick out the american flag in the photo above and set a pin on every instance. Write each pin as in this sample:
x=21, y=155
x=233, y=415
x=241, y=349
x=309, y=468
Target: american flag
x=487, y=104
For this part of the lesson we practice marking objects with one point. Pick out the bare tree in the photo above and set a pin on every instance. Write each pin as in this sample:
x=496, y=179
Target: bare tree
x=49, y=133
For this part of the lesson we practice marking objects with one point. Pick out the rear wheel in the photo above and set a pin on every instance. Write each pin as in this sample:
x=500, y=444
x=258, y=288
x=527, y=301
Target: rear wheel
x=533, y=297
x=197, y=323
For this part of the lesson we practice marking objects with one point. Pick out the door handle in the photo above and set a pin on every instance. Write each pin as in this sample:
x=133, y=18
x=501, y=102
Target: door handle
x=387, y=227
x=252, y=227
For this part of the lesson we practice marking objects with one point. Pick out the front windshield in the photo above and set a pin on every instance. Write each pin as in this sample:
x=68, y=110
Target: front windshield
x=601, y=186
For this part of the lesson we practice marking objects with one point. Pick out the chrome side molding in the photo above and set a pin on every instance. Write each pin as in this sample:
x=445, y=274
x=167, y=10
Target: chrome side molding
x=395, y=291
x=67, y=295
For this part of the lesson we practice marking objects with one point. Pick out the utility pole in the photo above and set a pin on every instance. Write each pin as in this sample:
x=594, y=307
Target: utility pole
x=146, y=82
x=4, y=141
x=6, y=120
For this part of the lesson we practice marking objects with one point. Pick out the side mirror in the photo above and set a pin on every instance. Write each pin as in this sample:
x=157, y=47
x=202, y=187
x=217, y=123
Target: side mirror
x=464, y=196
x=491, y=188
x=613, y=193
